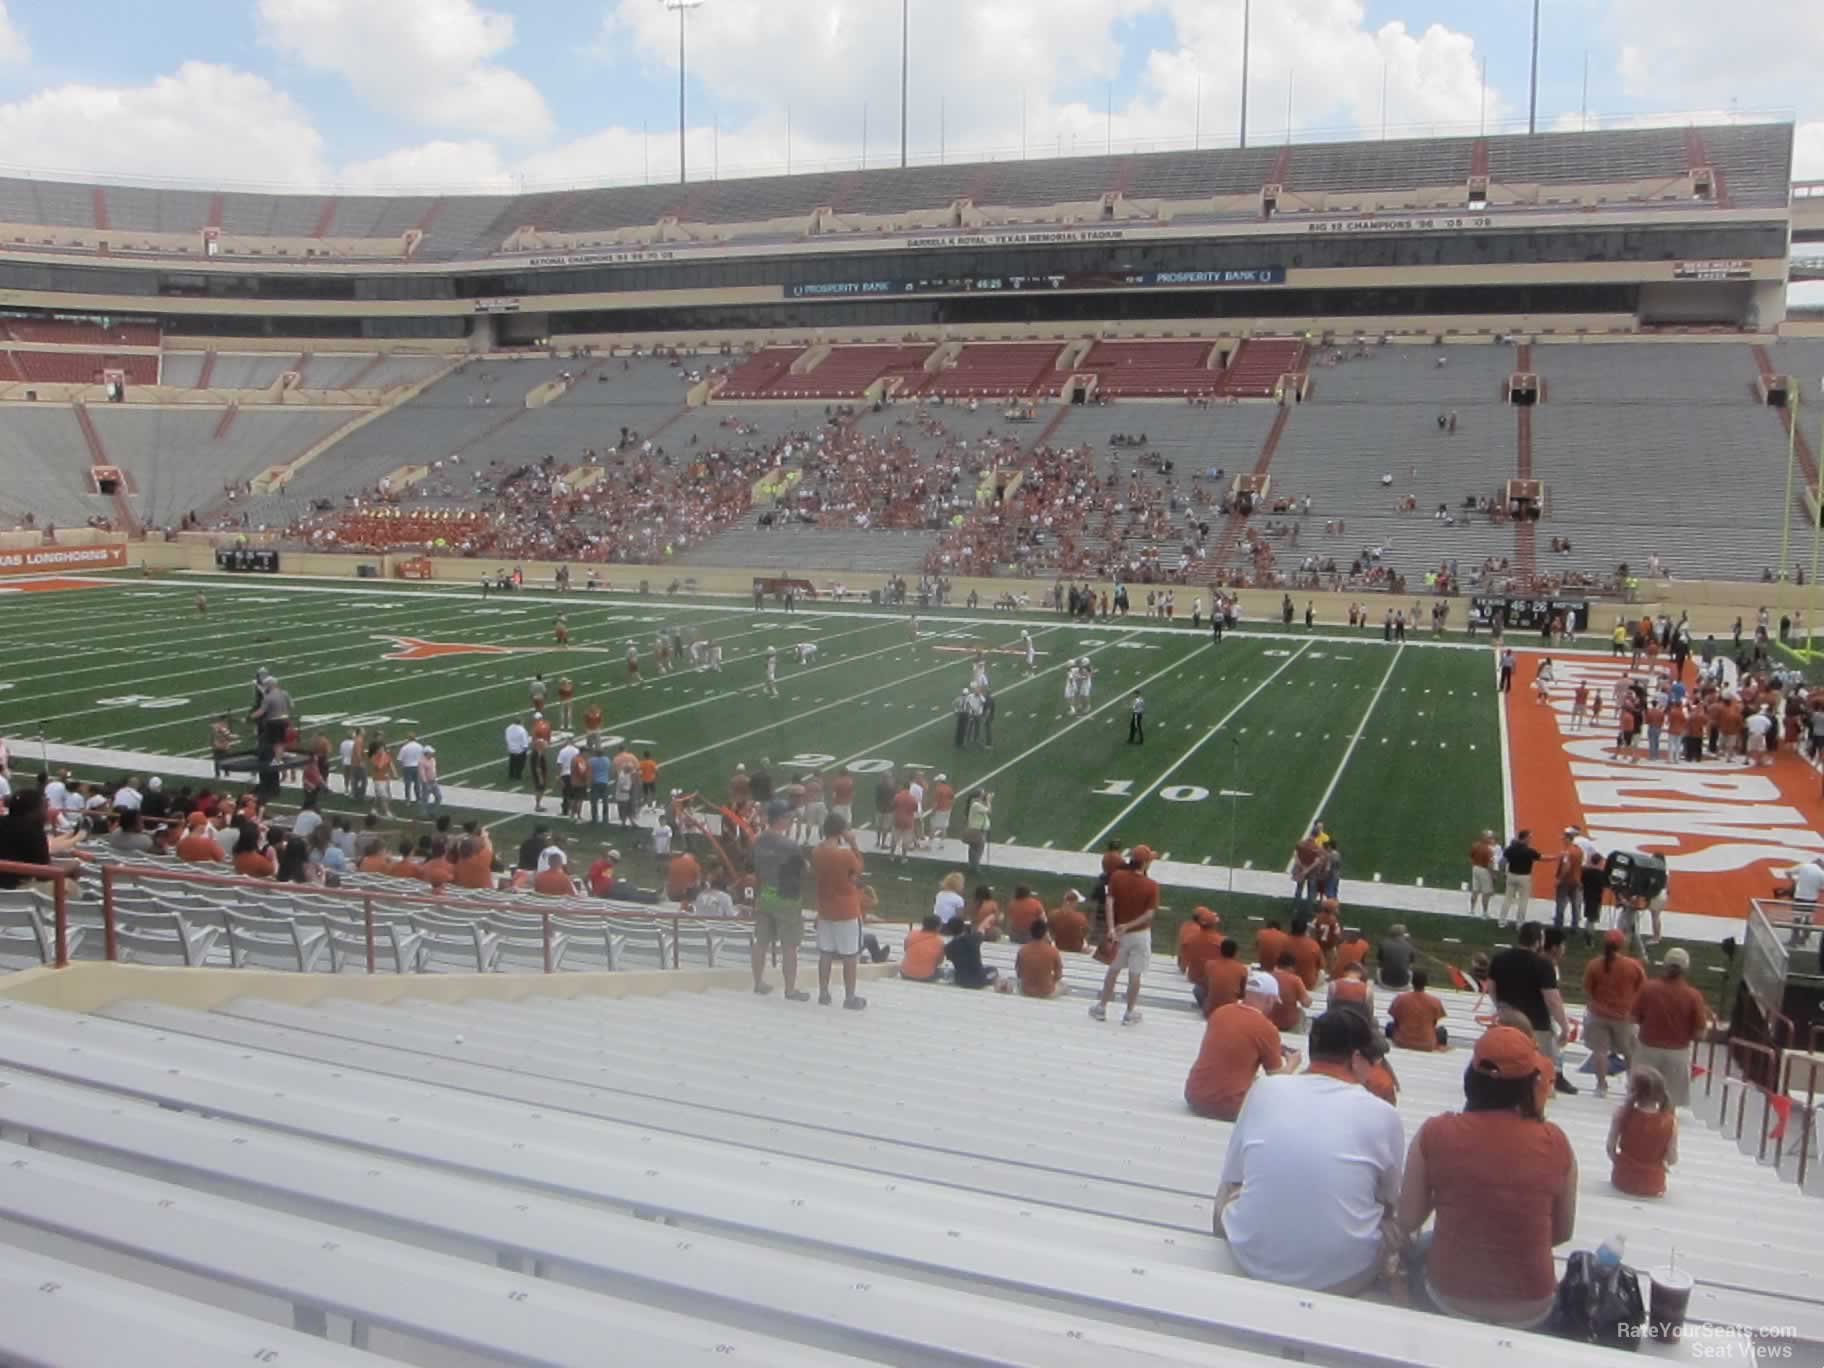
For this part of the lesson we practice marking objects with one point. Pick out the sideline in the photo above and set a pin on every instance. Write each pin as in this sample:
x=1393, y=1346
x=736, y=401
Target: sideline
x=954, y=854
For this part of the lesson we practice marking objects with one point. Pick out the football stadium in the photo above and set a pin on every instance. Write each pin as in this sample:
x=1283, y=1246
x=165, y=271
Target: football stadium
x=526, y=714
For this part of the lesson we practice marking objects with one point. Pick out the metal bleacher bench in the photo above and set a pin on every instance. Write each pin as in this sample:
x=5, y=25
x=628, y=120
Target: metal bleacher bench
x=928, y=1250
x=63, y=1313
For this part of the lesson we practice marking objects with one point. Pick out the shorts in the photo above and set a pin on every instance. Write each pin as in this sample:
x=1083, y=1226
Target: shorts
x=777, y=921
x=1757, y=743
x=839, y=937
x=1134, y=952
x=1481, y=880
x=812, y=815
x=1606, y=1036
x=845, y=811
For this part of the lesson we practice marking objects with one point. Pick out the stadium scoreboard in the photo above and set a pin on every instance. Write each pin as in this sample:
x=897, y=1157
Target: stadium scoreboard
x=241, y=560
x=1527, y=613
x=1028, y=283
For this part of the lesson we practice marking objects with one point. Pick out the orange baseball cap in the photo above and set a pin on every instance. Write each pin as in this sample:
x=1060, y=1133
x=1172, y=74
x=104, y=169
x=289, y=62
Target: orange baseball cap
x=1506, y=1052
x=195, y=819
x=1141, y=854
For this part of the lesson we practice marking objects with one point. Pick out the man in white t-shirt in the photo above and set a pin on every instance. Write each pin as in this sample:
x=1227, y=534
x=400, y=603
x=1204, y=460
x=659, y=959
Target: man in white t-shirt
x=916, y=787
x=409, y=756
x=1313, y=1171
x=126, y=797
x=1760, y=728
x=1807, y=886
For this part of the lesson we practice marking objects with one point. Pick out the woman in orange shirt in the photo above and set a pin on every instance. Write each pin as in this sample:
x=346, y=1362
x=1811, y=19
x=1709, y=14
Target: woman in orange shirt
x=252, y=860
x=985, y=916
x=1503, y=1182
x=1643, y=1137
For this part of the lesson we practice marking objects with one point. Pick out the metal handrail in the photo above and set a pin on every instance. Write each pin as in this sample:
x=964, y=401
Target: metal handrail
x=113, y=873
x=60, y=877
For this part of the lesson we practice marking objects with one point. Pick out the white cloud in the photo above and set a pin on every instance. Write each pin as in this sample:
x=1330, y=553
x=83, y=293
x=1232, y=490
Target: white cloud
x=1808, y=152
x=472, y=166
x=1682, y=53
x=978, y=64
x=202, y=122
x=426, y=61
x=13, y=47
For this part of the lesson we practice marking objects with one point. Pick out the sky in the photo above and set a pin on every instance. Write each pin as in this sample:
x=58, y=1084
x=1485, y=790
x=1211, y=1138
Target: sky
x=455, y=95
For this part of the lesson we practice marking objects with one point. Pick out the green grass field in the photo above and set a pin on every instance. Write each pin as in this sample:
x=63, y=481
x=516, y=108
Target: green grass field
x=1247, y=741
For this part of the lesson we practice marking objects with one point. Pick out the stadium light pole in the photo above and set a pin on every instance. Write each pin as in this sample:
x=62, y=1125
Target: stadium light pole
x=1792, y=452
x=1532, y=97
x=905, y=40
x=1816, y=529
x=1246, y=17
x=682, y=7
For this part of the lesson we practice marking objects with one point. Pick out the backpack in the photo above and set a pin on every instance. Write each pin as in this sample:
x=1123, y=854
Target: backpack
x=1598, y=1307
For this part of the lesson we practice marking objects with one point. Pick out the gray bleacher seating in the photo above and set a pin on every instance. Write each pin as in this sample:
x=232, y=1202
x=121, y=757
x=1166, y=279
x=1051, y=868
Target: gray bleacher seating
x=1631, y=442
x=177, y=464
x=60, y=1312
x=547, y=1136
x=1752, y=161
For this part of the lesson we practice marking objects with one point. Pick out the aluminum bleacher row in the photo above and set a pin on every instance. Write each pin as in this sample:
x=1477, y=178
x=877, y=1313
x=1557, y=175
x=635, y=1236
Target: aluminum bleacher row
x=1752, y=159
x=712, y=1173
x=201, y=923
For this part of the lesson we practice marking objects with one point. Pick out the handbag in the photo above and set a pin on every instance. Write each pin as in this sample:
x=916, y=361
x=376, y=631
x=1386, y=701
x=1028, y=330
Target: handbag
x=1107, y=949
x=1597, y=1306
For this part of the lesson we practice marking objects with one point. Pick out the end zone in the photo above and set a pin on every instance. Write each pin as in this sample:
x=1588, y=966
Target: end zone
x=55, y=584
x=1722, y=829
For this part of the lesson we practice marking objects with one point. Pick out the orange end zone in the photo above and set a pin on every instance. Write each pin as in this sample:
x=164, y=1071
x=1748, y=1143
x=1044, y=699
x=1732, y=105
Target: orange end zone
x=1723, y=830
x=50, y=586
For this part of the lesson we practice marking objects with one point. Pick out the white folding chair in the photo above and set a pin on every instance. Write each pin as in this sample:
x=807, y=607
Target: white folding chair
x=348, y=944
x=521, y=940
x=467, y=941
x=159, y=937
x=289, y=942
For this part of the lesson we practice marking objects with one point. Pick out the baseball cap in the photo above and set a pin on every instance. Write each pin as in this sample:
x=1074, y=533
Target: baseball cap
x=1204, y=917
x=939, y=778
x=154, y=784
x=430, y=750
x=1506, y=1052
x=195, y=819
x=1679, y=956
x=1141, y=854
x=778, y=808
x=1265, y=985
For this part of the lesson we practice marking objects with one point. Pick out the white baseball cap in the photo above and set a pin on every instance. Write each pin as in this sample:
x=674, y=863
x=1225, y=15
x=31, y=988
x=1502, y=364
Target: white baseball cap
x=1263, y=984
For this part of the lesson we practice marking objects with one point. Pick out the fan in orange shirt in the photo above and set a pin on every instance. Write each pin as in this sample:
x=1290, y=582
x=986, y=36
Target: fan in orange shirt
x=1224, y=977
x=1069, y=927
x=1022, y=913
x=924, y=953
x=1201, y=946
x=1418, y=1017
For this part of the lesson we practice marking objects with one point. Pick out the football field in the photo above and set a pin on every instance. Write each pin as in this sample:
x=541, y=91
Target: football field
x=1248, y=740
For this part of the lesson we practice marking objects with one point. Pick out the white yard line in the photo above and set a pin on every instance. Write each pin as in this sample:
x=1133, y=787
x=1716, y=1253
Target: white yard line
x=629, y=723
x=1354, y=741
x=1120, y=697
x=837, y=703
x=1507, y=763
x=188, y=645
x=1194, y=747
x=951, y=853
x=658, y=603
x=936, y=719
x=520, y=653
